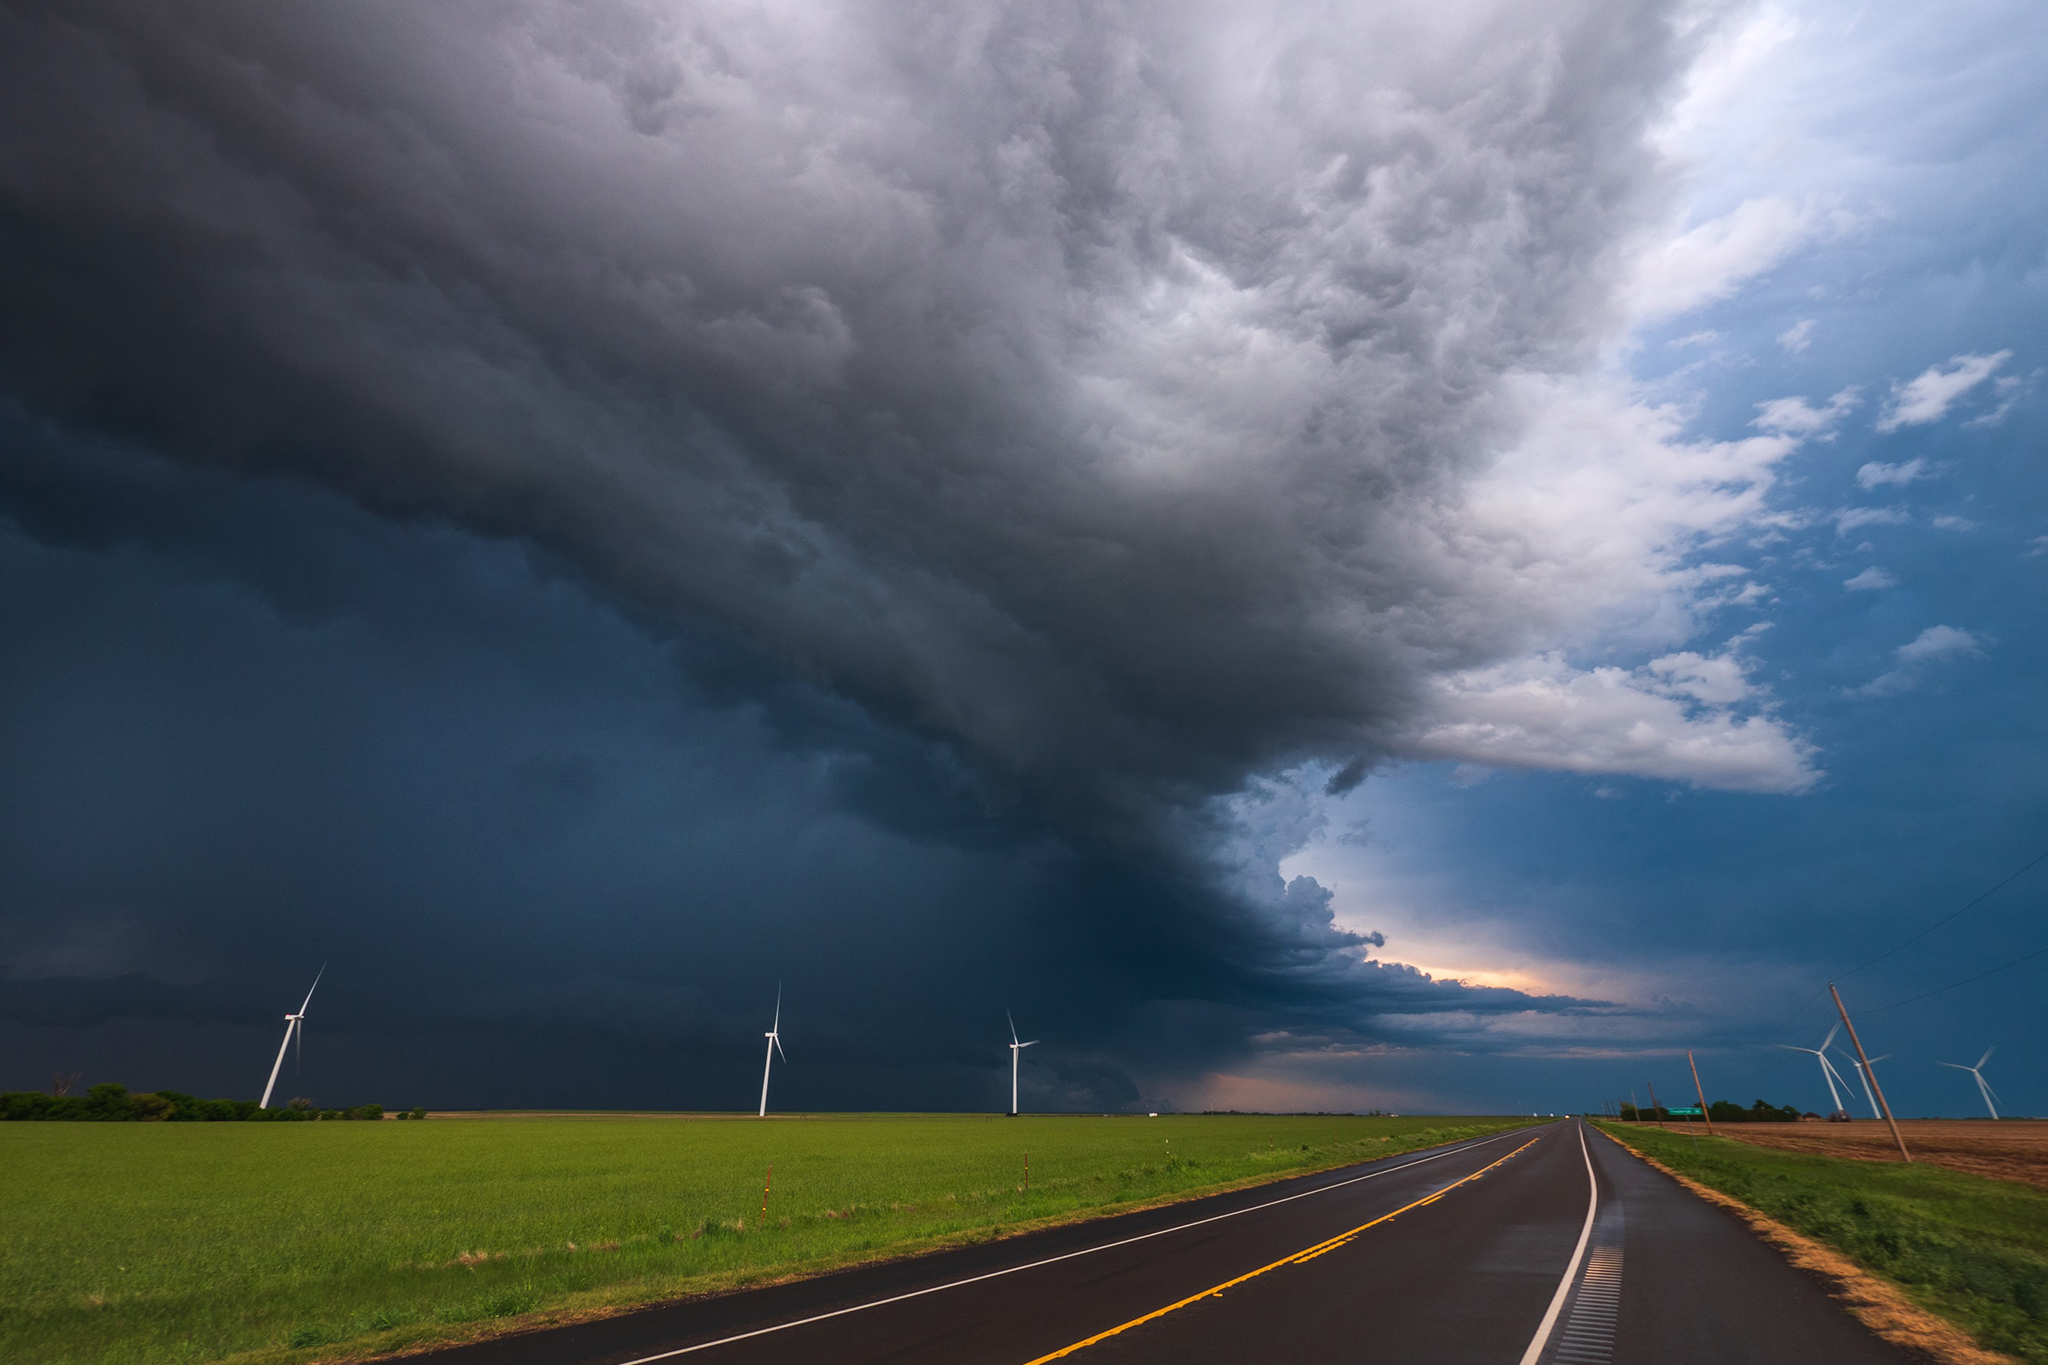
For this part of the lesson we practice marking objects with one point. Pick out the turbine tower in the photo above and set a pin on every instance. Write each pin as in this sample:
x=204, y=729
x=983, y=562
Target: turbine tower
x=1016, y=1051
x=774, y=1046
x=1864, y=1076
x=294, y=1027
x=1983, y=1088
x=1827, y=1068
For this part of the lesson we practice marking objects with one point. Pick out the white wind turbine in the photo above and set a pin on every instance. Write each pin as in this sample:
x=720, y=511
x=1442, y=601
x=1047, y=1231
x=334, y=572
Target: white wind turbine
x=1016, y=1051
x=774, y=1046
x=294, y=1027
x=1827, y=1068
x=1864, y=1076
x=1983, y=1088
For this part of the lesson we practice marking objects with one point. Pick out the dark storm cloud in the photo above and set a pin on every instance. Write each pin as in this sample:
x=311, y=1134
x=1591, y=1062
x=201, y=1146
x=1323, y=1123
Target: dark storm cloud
x=998, y=431
x=848, y=329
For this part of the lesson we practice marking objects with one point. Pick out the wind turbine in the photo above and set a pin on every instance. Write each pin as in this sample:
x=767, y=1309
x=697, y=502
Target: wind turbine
x=1016, y=1051
x=774, y=1046
x=1978, y=1072
x=1864, y=1076
x=294, y=1027
x=1827, y=1068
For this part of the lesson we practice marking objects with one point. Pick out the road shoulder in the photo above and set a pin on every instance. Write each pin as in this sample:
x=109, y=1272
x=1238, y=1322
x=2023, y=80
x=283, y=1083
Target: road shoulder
x=1876, y=1303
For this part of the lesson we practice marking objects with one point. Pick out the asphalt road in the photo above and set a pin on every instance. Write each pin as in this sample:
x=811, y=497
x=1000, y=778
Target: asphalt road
x=1547, y=1245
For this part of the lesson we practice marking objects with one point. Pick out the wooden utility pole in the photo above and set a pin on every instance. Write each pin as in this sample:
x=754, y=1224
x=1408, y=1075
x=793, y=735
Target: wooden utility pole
x=1635, y=1107
x=1869, y=1074
x=1655, y=1107
x=1697, y=1089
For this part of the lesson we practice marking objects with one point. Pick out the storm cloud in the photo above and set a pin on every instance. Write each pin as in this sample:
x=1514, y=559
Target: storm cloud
x=1003, y=433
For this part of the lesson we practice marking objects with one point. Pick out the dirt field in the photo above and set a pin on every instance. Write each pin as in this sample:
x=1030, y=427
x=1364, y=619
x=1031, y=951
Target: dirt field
x=2010, y=1149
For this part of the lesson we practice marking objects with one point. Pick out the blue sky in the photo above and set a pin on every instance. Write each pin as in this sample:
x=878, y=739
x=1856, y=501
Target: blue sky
x=1329, y=561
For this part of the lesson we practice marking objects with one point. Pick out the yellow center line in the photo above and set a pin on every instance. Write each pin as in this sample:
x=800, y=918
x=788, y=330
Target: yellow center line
x=1307, y=1253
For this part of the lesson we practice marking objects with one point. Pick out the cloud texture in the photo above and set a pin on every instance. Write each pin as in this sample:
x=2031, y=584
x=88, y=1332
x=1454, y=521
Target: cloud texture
x=1069, y=380
x=1125, y=400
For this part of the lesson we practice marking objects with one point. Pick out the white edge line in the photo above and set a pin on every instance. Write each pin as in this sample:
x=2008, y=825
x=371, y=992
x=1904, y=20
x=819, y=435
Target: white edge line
x=1106, y=1246
x=1564, y=1286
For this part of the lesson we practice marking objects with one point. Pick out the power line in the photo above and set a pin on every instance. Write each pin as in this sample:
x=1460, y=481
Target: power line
x=1967, y=906
x=2040, y=858
x=2038, y=952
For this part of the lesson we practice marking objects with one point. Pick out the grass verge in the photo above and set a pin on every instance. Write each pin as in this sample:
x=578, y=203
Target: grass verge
x=262, y=1243
x=1971, y=1250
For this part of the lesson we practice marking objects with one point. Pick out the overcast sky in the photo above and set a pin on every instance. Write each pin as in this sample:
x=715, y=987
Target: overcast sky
x=1417, y=557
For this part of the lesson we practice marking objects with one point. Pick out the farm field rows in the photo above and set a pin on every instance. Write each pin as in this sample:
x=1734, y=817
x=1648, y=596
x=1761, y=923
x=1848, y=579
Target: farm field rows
x=2009, y=1149
x=274, y=1242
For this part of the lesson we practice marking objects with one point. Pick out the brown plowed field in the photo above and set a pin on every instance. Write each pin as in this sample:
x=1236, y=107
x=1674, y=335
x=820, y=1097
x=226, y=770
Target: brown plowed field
x=2010, y=1149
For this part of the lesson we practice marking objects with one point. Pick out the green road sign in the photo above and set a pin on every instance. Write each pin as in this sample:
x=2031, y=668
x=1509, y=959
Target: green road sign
x=1686, y=1113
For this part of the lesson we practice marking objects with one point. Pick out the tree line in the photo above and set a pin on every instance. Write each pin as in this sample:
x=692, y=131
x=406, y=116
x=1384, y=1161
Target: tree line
x=112, y=1102
x=1721, y=1111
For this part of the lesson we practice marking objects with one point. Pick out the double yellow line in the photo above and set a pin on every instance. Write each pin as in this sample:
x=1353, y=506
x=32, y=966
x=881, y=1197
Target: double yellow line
x=1306, y=1254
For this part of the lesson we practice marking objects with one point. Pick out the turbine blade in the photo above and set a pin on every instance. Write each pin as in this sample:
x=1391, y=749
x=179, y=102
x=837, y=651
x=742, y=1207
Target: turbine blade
x=1831, y=1037
x=778, y=1045
x=1987, y=1056
x=1032, y=1043
x=1013, y=1025
x=1957, y=1065
x=776, y=1027
x=316, y=986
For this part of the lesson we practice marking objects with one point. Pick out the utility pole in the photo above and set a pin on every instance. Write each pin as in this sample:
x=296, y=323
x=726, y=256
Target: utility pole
x=1869, y=1074
x=1655, y=1107
x=1635, y=1107
x=1697, y=1089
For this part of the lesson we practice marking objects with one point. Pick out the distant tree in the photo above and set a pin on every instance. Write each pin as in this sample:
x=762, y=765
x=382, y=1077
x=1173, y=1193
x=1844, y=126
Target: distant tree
x=150, y=1107
x=109, y=1101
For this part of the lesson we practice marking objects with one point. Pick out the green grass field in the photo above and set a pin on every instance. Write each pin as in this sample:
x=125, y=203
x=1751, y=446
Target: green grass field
x=153, y=1242
x=1970, y=1249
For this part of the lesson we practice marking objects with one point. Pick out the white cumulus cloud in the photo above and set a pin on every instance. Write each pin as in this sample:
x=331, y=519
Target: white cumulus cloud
x=1848, y=519
x=1871, y=579
x=1675, y=719
x=1711, y=261
x=1797, y=416
x=1929, y=395
x=1878, y=475
x=1934, y=645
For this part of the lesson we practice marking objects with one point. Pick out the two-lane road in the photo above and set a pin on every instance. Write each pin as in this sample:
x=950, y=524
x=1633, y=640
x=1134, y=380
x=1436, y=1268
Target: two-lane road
x=1548, y=1244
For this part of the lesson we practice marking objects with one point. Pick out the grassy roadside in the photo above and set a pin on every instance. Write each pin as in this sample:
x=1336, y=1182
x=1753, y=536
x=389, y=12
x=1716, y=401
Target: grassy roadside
x=1972, y=1250
x=293, y=1242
